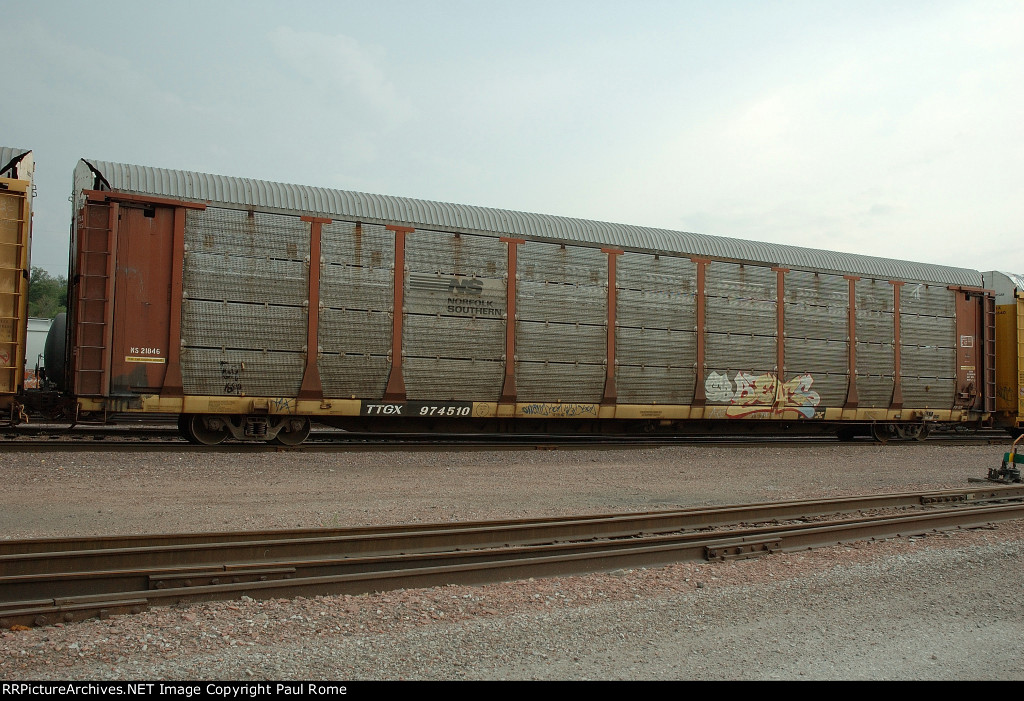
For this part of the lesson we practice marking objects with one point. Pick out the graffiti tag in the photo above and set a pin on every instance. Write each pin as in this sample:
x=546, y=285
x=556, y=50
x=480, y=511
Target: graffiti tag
x=231, y=373
x=559, y=410
x=283, y=405
x=749, y=395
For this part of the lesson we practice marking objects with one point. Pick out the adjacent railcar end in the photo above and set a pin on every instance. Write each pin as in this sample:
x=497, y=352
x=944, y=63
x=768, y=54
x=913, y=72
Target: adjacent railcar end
x=16, y=172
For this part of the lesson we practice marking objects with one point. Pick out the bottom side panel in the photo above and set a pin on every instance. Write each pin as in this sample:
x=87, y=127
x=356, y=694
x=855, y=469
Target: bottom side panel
x=338, y=407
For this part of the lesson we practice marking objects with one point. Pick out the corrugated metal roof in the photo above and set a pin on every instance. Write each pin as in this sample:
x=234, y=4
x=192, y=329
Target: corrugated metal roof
x=386, y=209
x=1005, y=285
x=1017, y=280
x=9, y=155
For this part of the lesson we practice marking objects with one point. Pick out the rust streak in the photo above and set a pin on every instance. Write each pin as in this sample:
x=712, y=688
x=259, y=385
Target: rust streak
x=508, y=387
x=312, y=388
x=396, y=383
x=780, y=325
x=699, y=395
x=172, y=386
x=852, y=398
x=610, y=395
x=897, y=389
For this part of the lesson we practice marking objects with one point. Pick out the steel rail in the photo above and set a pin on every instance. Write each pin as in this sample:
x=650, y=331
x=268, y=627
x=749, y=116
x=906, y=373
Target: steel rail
x=51, y=555
x=377, y=442
x=484, y=566
x=63, y=584
x=129, y=584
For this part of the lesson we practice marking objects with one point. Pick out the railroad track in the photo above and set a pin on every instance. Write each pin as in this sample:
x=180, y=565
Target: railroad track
x=46, y=581
x=167, y=439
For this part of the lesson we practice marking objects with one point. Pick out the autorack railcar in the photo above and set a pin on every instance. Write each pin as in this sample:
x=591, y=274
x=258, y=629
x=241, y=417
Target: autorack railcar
x=249, y=308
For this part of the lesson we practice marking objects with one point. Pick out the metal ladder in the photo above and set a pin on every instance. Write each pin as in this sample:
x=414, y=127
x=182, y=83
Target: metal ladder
x=13, y=288
x=989, y=340
x=94, y=307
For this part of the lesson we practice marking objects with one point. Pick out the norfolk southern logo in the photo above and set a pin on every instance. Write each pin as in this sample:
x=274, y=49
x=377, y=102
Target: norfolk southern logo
x=469, y=286
x=447, y=284
x=454, y=294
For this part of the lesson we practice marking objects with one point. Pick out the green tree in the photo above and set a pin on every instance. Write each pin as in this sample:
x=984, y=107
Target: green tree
x=47, y=295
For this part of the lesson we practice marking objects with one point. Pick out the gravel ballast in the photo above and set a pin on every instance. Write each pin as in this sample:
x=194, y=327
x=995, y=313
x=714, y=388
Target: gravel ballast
x=937, y=607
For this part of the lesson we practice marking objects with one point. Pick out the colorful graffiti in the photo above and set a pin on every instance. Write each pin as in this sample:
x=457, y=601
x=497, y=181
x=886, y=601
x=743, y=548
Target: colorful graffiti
x=762, y=396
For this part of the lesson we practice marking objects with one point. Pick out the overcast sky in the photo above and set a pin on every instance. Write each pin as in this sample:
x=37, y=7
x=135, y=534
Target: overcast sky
x=884, y=128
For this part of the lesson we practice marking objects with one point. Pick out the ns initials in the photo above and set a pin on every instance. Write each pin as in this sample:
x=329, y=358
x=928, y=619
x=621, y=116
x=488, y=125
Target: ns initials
x=467, y=285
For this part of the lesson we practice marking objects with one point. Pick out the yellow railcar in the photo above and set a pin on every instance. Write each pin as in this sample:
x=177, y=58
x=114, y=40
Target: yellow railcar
x=1009, y=292
x=16, y=169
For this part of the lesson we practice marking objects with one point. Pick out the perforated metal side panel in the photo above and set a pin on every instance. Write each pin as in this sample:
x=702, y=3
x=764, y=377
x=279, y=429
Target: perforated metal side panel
x=243, y=326
x=561, y=336
x=742, y=324
x=875, y=342
x=928, y=346
x=655, y=339
x=357, y=299
x=816, y=318
x=453, y=333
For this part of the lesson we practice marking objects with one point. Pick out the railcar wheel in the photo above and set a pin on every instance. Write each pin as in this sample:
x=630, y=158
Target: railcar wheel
x=295, y=436
x=199, y=433
x=912, y=432
x=881, y=432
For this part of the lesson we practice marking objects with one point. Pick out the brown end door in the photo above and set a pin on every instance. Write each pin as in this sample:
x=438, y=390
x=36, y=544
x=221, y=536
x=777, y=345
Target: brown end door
x=142, y=291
